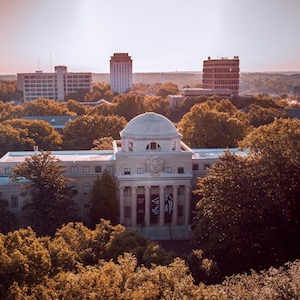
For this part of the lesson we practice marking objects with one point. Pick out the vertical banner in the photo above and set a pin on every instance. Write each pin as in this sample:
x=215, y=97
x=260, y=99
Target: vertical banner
x=168, y=208
x=154, y=209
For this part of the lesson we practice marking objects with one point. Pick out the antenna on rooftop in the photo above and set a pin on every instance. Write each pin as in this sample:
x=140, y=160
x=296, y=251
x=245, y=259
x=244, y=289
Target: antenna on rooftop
x=38, y=63
x=50, y=62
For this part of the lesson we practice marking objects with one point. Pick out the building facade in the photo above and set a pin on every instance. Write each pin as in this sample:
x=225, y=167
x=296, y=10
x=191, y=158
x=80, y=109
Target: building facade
x=155, y=174
x=54, y=86
x=221, y=73
x=120, y=73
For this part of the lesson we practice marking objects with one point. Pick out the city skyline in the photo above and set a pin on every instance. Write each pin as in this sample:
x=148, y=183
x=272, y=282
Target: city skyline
x=160, y=36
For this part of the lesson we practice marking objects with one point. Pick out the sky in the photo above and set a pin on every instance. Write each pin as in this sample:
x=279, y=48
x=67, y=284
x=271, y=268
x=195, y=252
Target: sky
x=159, y=35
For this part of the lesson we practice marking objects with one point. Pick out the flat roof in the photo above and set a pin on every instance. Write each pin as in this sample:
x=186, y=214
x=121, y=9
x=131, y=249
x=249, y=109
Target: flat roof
x=72, y=155
x=215, y=152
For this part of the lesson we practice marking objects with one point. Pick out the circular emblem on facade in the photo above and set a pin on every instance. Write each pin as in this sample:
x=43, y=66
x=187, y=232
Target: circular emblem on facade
x=154, y=165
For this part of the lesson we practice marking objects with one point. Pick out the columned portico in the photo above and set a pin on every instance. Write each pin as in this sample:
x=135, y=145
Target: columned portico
x=122, y=205
x=175, y=205
x=147, y=205
x=133, y=206
x=161, y=205
x=187, y=204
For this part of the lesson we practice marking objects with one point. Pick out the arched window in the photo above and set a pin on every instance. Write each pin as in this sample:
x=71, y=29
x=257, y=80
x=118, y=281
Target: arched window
x=153, y=146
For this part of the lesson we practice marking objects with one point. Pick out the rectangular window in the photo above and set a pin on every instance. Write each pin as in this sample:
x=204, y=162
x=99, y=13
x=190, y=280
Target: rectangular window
x=181, y=190
x=180, y=210
x=109, y=169
x=126, y=171
x=168, y=169
x=140, y=190
x=86, y=188
x=7, y=171
x=127, y=191
x=86, y=209
x=75, y=188
x=86, y=169
x=127, y=212
x=14, y=201
x=74, y=169
x=195, y=167
x=180, y=170
x=130, y=146
x=206, y=166
x=140, y=170
x=97, y=169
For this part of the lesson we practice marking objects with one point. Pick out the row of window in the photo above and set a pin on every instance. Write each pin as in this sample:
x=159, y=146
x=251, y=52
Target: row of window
x=155, y=190
x=87, y=169
x=127, y=211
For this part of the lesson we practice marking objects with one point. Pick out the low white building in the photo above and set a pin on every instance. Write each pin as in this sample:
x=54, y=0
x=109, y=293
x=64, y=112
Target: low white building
x=155, y=174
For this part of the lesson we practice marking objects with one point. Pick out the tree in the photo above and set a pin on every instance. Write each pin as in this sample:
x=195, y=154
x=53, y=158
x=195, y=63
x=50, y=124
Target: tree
x=157, y=104
x=45, y=107
x=103, y=201
x=248, y=213
x=104, y=143
x=262, y=116
x=80, y=133
x=129, y=106
x=6, y=217
x=50, y=202
x=10, y=139
x=77, y=107
x=213, y=125
x=33, y=132
x=23, y=260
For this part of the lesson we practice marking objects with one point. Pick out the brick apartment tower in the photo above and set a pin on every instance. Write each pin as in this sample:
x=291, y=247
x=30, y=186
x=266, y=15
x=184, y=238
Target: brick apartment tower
x=120, y=72
x=221, y=73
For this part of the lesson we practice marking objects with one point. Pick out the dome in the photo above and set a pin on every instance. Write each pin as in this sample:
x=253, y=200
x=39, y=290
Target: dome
x=150, y=126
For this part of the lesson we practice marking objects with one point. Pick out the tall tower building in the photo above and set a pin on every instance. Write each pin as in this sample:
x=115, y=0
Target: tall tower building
x=221, y=73
x=120, y=72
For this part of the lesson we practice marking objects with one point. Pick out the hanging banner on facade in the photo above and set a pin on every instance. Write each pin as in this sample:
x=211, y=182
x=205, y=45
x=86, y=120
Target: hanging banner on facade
x=168, y=208
x=154, y=208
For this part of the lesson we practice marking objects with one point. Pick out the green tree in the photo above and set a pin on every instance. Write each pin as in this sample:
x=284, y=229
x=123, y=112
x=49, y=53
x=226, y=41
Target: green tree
x=50, y=200
x=80, y=133
x=103, y=200
x=248, y=213
x=129, y=106
x=213, y=124
x=77, y=108
x=23, y=260
x=104, y=143
x=9, y=139
x=33, y=132
x=263, y=116
x=45, y=107
x=7, y=218
x=157, y=104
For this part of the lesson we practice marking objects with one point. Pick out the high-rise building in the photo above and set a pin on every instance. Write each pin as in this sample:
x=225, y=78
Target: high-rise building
x=221, y=73
x=120, y=72
x=54, y=86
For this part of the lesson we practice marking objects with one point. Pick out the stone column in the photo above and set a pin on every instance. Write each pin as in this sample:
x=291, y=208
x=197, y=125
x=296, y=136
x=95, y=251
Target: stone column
x=175, y=205
x=187, y=204
x=133, y=206
x=147, y=205
x=161, y=205
x=121, y=204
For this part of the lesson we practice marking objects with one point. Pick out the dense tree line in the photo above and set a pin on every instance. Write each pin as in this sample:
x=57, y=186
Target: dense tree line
x=249, y=210
x=109, y=262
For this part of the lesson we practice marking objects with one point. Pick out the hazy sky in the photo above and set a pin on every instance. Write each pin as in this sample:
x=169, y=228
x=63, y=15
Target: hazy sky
x=160, y=35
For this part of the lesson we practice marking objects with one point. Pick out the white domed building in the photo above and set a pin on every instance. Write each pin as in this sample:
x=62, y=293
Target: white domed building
x=155, y=174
